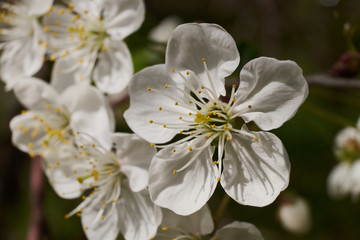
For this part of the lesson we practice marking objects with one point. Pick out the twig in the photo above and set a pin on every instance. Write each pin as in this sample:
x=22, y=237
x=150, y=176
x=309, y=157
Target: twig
x=327, y=80
x=35, y=230
x=221, y=210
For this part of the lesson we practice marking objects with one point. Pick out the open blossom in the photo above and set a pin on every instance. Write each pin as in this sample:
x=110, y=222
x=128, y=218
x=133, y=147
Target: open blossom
x=344, y=179
x=116, y=180
x=87, y=42
x=183, y=96
x=23, y=42
x=51, y=119
x=199, y=225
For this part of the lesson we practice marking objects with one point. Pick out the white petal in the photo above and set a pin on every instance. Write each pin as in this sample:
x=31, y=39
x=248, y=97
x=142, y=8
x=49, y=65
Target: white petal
x=355, y=180
x=135, y=156
x=342, y=138
x=35, y=94
x=97, y=228
x=138, y=216
x=144, y=105
x=162, y=32
x=239, y=230
x=191, y=42
x=270, y=92
x=198, y=223
x=255, y=172
x=89, y=112
x=21, y=127
x=339, y=181
x=114, y=69
x=186, y=191
x=122, y=18
x=61, y=167
x=38, y=7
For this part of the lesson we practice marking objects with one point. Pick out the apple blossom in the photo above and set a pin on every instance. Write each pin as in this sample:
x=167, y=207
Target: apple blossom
x=117, y=180
x=87, y=42
x=52, y=119
x=183, y=96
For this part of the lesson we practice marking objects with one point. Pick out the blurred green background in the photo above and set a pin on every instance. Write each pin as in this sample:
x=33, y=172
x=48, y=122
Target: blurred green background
x=309, y=32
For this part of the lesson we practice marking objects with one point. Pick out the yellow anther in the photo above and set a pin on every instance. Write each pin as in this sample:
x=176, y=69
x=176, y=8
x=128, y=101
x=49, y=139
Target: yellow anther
x=190, y=113
x=160, y=108
x=57, y=110
x=218, y=179
x=227, y=138
x=100, y=18
x=225, y=127
x=113, y=201
x=102, y=218
x=46, y=28
x=202, y=87
x=195, y=127
x=151, y=121
x=215, y=162
x=104, y=202
x=191, y=133
x=78, y=214
x=30, y=145
x=33, y=134
x=190, y=149
x=234, y=99
x=164, y=125
x=58, y=163
x=214, y=113
x=66, y=216
x=255, y=139
x=109, y=171
x=173, y=70
x=86, y=228
x=249, y=106
x=80, y=60
x=57, y=22
x=199, y=91
x=187, y=72
x=48, y=106
x=93, y=145
x=54, y=34
x=234, y=86
x=164, y=229
x=152, y=145
x=176, y=103
x=25, y=130
x=212, y=126
x=149, y=88
x=35, y=117
x=180, y=118
x=190, y=101
x=181, y=131
x=209, y=113
x=95, y=188
x=173, y=150
x=208, y=136
x=103, y=48
x=203, y=59
x=32, y=154
x=86, y=12
x=23, y=112
x=40, y=42
x=83, y=197
x=219, y=115
x=174, y=172
x=52, y=58
x=215, y=103
x=165, y=86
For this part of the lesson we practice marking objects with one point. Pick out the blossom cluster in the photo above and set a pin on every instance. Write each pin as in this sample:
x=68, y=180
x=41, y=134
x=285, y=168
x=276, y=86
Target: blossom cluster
x=189, y=133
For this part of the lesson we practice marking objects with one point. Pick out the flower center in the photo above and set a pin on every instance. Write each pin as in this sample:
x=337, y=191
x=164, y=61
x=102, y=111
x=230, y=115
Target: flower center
x=350, y=151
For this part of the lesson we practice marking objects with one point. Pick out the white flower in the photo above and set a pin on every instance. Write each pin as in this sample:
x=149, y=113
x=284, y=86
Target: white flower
x=117, y=180
x=344, y=179
x=87, y=41
x=52, y=118
x=295, y=215
x=23, y=41
x=183, y=96
x=199, y=225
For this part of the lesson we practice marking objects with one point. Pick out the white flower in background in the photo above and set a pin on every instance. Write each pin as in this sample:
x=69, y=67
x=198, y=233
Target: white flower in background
x=199, y=225
x=295, y=215
x=183, y=96
x=116, y=180
x=344, y=179
x=22, y=40
x=162, y=32
x=87, y=42
x=52, y=118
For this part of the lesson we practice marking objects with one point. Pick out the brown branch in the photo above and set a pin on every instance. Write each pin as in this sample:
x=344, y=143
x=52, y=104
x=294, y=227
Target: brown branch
x=327, y=80
x=36, y=225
